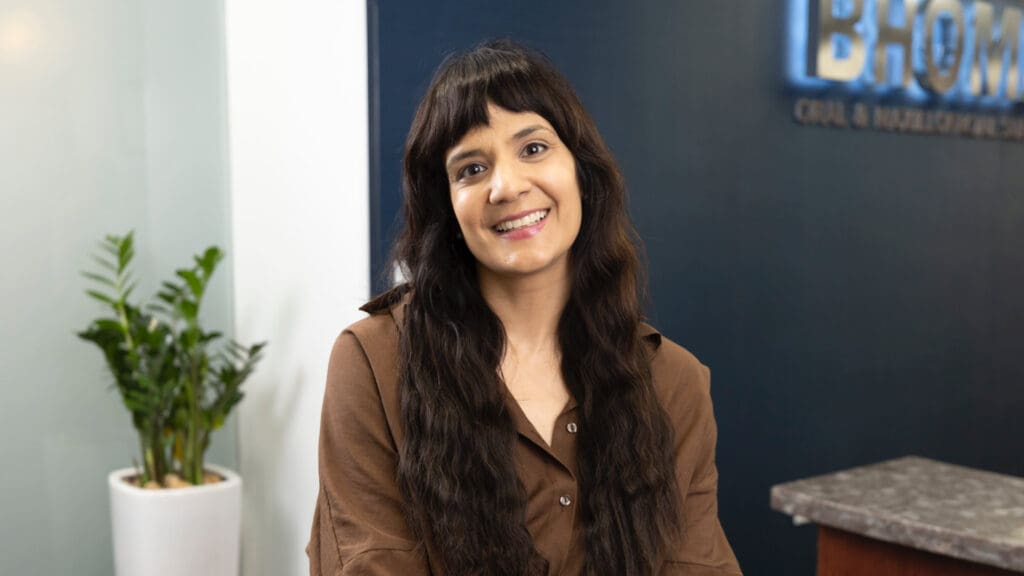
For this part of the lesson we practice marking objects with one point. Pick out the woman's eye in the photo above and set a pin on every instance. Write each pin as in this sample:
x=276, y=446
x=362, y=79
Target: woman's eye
x=470, y=170
x=534, y=148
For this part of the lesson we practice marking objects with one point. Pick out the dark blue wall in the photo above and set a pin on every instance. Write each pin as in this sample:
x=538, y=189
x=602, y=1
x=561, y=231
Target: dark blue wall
x=857, y=295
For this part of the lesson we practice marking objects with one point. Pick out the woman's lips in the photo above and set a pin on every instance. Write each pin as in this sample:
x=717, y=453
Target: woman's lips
x=531, y=225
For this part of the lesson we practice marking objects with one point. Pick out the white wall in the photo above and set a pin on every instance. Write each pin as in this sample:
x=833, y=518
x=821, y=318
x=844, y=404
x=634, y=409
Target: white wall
x=299, y=170
x=110, y=121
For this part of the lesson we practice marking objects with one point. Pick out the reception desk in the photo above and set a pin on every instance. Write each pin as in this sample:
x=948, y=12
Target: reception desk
x=911, y=517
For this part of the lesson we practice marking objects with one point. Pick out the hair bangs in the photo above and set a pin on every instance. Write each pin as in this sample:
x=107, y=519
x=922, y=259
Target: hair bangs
x=467, y=84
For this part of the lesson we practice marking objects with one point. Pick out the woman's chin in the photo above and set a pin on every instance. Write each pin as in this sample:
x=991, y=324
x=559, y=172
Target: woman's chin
x=523, y=266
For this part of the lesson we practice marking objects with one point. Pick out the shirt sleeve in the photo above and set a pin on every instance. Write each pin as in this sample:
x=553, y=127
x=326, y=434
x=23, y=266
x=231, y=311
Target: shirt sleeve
x=359, y=528
x=703, y=549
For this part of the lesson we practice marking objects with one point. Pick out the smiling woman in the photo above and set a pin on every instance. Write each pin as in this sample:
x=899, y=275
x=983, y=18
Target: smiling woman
x=506, y=410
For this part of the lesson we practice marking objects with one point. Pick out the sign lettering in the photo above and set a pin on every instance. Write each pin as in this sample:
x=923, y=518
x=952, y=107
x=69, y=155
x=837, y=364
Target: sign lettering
x=938, y=45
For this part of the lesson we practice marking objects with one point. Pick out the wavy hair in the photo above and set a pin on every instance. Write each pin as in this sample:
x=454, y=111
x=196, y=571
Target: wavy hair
x=456, y=468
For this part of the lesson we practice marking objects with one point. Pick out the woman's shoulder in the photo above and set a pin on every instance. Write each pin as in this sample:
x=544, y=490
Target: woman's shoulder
x=679, y=378
x=367, y=351
x=362, y=374
x=378, y=332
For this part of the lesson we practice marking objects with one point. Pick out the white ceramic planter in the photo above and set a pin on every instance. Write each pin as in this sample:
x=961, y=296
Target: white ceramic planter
x=191, y=531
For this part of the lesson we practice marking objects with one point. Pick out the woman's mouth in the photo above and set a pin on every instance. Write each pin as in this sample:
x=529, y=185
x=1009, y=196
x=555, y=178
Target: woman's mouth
x=522, y=222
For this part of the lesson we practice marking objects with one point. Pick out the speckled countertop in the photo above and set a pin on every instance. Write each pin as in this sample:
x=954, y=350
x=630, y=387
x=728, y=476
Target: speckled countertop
x=921, y=503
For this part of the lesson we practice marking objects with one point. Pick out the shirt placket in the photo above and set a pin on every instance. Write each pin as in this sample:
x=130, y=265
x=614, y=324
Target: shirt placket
x=558, y=498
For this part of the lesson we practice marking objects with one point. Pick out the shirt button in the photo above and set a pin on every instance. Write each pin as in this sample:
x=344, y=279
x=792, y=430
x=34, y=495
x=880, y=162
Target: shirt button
x=571, y=427
x=565, y=500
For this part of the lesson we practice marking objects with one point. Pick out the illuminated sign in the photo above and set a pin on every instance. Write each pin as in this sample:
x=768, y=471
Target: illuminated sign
x=926, y=66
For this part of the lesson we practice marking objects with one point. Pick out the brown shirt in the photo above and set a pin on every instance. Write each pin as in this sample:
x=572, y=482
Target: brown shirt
x=359, y=528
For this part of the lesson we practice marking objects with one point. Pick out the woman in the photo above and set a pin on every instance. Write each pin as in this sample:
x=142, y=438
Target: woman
x=506, y=411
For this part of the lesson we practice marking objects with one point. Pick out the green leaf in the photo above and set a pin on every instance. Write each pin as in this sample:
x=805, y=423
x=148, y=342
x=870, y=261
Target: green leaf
x=105, y=263
x=211, y=257
x=108, y=324
x=101, y=297
x=193, y=281
x=100, y=278
x=166, y=298
x=125, y=251
x=128, y=291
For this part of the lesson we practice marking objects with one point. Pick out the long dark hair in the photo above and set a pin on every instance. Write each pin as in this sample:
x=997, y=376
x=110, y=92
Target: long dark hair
x=456, y=466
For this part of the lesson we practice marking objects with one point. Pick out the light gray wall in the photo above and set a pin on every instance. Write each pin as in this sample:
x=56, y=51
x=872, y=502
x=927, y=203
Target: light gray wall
x=112, y=117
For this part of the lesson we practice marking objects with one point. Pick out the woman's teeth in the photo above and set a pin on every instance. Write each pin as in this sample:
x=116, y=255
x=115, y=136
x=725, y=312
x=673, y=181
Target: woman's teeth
x=518, y=223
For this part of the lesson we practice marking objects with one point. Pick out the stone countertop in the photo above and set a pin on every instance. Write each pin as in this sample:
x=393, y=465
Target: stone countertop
x=920, y=503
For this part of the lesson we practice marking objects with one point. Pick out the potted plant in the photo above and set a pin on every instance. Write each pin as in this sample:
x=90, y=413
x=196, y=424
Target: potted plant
x=171, y=513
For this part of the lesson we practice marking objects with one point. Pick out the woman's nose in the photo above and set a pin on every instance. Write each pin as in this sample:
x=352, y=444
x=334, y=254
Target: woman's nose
x=508, y=182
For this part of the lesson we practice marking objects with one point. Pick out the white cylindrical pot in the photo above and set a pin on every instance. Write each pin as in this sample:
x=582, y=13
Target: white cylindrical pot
x=192, y=531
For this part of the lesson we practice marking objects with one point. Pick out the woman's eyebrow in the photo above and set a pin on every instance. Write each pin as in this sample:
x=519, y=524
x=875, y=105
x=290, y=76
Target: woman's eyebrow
x=527, y=131
x=461, y=156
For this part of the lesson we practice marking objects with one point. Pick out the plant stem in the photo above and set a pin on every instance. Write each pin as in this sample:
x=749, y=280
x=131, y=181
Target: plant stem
x=197, y=451
x=192, y=465
x=122, y=316
x=157, y=449
x=150, y=472
x=145, y=460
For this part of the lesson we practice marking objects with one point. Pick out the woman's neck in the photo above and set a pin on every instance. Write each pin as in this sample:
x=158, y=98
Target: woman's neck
x=529, y=307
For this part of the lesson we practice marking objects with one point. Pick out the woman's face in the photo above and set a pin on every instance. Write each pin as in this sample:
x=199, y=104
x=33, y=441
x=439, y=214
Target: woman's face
x=514, y=191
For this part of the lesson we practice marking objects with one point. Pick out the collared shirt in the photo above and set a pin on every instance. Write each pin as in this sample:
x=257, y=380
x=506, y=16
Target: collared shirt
x=359, y=527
